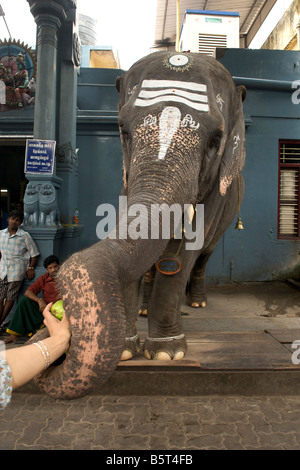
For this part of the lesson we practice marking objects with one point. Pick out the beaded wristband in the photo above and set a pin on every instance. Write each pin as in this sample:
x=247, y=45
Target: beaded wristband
x=45, y=353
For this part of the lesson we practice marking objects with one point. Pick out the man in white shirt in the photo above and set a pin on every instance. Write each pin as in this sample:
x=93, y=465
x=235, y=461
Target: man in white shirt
x=18, y=257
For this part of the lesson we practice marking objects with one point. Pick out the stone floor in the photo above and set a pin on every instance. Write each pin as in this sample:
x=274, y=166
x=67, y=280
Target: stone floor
x=237, y=387
x=151, y=423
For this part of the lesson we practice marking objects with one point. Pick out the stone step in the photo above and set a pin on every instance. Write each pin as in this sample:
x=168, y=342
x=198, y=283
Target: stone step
x=216, y=363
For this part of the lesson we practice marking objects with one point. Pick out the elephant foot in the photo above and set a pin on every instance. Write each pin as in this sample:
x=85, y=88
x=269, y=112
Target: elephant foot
x=143, y=311
x=131, y=348
x=164, y=356
x=165, y=349
x=199, y=302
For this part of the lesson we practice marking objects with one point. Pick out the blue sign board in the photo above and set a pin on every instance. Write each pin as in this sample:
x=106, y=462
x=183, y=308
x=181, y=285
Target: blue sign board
x=39, y=156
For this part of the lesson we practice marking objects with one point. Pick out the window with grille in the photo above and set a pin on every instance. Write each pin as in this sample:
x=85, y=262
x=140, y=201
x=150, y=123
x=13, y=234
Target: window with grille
x=289, y=170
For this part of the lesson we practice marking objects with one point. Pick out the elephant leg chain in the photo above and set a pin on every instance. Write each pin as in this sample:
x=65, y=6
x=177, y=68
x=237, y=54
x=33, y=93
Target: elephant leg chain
x=131, y=338
x=168, y=338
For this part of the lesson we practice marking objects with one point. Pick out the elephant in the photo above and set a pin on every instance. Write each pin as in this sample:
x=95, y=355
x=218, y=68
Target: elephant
x=195, y=289
x=183, y=137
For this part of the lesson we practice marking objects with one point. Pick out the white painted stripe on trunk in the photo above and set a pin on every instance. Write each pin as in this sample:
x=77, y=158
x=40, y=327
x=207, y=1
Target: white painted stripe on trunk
x=168, y=125
x=177, y=99
x=173, y=91
x=174, y=83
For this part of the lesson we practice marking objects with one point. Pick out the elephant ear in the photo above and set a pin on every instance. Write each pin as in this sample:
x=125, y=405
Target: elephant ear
x=233, y=158
x=119, y=86
x=118, y=83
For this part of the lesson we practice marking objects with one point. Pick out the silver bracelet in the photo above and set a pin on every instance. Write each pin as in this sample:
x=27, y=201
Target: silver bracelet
x=45, y=353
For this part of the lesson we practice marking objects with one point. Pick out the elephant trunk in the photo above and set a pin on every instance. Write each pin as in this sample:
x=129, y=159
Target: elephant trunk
x=93, y=304
x=91, y=284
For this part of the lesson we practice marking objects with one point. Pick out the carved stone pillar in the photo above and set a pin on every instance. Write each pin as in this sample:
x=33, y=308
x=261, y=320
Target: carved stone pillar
x=69, y=52
x=45, y=106
x=50, y=17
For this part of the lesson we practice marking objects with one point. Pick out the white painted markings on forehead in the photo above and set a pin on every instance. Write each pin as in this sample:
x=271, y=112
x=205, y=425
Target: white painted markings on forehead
x=176, y=83
x=172, y=91
x=168, y=124
x=192, y=94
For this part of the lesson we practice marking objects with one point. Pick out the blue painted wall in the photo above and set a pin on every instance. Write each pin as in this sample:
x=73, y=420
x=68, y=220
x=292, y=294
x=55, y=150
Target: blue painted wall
x=256, y=253
x=253, y=254
x=100, y=151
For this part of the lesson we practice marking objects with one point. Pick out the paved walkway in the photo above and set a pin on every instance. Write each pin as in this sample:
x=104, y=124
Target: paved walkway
x=151, y=423
x=236, y=389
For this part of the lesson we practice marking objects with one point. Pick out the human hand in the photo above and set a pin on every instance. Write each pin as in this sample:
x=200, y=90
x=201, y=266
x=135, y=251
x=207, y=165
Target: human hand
x=30, y=273
x=59, y=329
x=42, y=305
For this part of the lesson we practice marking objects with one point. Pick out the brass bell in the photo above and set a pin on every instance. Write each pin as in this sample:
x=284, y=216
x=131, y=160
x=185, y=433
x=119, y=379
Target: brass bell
x=239, y=224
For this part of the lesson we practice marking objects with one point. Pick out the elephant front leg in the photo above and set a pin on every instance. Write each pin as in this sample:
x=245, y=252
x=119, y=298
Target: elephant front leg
x=166, y=340
x=131, y=341
x=196, y=292
x=165, y=349
x=148, y=280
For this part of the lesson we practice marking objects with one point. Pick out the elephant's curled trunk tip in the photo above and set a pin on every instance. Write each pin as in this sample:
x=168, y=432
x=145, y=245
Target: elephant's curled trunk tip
x=94, y=307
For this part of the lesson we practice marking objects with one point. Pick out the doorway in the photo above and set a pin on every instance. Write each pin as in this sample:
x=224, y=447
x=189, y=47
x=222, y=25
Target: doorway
x=12, y=177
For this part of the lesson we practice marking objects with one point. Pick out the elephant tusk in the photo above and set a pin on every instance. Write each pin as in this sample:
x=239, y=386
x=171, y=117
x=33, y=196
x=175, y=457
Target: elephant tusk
x=190, y=212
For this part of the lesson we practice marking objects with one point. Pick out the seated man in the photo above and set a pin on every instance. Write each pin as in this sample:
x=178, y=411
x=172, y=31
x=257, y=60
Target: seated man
x=28, y=317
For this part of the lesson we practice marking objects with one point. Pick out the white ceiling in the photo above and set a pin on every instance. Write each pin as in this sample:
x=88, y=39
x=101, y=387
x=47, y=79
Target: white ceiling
x=252, y=14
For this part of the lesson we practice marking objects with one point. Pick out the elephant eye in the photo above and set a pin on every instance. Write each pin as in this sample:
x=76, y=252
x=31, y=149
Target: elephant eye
x=132, y=90
x=214, y=142
x=123, y=130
